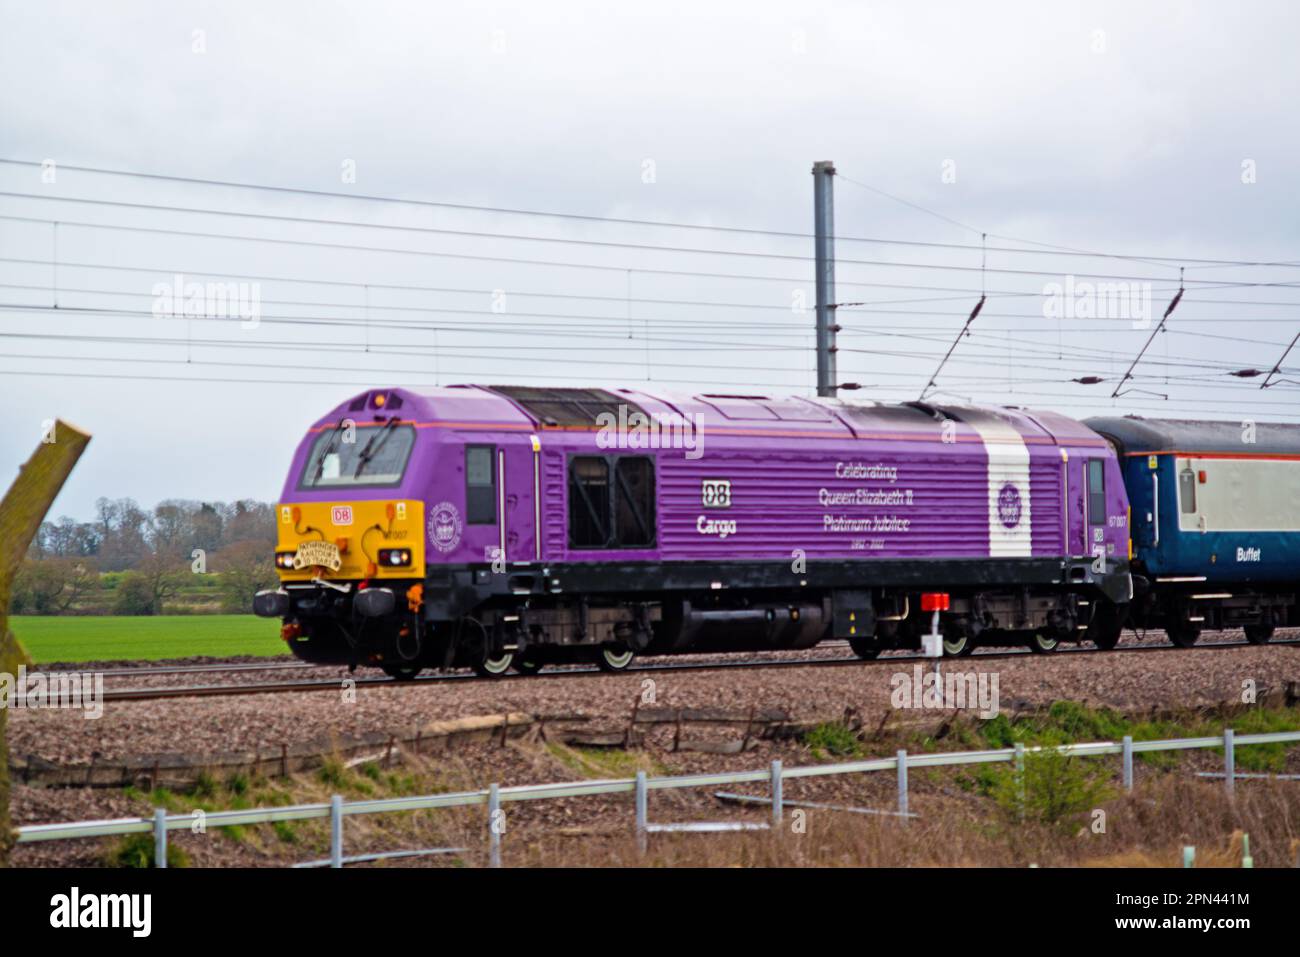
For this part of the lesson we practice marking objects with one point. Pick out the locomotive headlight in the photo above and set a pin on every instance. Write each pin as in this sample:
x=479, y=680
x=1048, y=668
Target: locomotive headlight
x=284, y=560
x=394, y=557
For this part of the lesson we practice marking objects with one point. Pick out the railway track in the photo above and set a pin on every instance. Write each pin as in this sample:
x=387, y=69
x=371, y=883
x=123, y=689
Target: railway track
x=563, y=671
x=229, y=668
x=149, y=670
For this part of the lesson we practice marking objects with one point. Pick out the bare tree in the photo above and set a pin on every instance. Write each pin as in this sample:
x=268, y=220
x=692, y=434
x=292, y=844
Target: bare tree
x=245, y=569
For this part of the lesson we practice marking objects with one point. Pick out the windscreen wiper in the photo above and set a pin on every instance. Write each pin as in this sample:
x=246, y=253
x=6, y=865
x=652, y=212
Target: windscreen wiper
x=374, y=445
x=324, y=453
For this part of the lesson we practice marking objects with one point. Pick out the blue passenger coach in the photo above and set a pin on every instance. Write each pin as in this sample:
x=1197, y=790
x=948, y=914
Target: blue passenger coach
x=1215, y=525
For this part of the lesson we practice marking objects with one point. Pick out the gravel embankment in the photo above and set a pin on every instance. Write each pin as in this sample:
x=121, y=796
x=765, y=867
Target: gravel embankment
x=1129, y=681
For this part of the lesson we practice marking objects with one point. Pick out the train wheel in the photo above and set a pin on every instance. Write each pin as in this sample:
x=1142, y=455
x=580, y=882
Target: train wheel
x=1183, y=634
x=958, y=647
x=1259, y=634
x=528, y=666
x=401, y=672
x=865, y=646
x=1106, y=626
x=1043, y=643
x=614, y=657
x=494, y=667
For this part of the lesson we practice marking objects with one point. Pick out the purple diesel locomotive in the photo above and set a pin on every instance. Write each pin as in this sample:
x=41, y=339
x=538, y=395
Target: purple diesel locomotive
x=494, y=527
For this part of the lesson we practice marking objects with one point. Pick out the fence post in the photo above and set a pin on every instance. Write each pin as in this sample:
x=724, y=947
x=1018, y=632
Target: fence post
x=1128, y=762
x=1229, y=761
x=336, y=831
x=494, y=835
x=1246, y=859
x=1189, y=856
x=640, y=812
x=159, y=837
x=902, y=784
x=777, y=794
x=1020, y=777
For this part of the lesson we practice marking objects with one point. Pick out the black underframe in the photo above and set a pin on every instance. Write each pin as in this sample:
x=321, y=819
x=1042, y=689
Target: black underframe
x=454, y=590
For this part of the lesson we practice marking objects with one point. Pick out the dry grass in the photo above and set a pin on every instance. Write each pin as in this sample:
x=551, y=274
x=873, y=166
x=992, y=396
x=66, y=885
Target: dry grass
x=955, y=829
x=1073, y=813
x=1146, y=829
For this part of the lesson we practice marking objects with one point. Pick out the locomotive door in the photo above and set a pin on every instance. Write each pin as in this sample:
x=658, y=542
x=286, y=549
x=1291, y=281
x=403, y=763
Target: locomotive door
x=1075, y=498
x=519, y=466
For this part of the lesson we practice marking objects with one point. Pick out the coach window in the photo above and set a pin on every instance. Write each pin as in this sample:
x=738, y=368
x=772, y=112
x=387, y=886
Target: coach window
x=1187, y=490
x=480, y=485
x=1096, y=492
x=589, y=502
x=634, y=511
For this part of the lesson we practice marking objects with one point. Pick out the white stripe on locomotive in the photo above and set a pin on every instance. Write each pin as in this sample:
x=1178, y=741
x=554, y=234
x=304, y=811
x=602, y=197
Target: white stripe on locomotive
x=1008, y=465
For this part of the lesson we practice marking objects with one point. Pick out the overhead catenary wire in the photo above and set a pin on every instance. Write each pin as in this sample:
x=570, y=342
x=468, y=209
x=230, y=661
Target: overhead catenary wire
x=508, y=325
x=965, y=331
x=563, y=323
x=414, y=287
x=1154, y=332
x=608, y=267
x=1277, y=366
x=627, y=221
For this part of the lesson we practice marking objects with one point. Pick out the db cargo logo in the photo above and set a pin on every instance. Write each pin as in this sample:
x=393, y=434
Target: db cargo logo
x=714, y=526
x=444, y=527
x=341, y=514
x=715, y=493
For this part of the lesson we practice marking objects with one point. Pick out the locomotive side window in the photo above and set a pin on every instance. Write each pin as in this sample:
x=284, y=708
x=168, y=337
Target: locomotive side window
x=634, y=514
x=611, y=501
x=589, y=502
x=1096, y=492
x=480, y=485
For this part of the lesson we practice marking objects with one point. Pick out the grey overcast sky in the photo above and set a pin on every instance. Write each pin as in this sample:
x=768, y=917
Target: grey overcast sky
x=1163, y=131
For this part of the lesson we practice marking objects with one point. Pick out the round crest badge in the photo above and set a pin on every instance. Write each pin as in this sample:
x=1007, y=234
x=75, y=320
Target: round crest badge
x=444, y=526
x=1009, y=505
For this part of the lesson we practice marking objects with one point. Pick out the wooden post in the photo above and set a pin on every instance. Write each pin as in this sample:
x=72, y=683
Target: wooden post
x=21, y=513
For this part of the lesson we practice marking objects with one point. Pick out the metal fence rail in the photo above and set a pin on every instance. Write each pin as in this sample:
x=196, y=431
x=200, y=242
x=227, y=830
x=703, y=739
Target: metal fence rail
x=494, y=796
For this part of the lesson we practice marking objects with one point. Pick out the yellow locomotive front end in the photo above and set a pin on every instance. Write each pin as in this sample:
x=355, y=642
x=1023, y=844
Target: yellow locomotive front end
x=379, y=541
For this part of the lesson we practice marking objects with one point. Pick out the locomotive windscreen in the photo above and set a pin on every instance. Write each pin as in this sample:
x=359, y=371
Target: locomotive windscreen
x=375, y=455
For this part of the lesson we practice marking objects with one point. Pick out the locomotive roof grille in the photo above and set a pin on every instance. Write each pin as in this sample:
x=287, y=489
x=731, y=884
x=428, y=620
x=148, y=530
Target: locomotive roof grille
x=567, y=407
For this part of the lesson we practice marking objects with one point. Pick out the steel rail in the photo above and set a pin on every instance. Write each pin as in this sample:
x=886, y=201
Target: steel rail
x=562, y=671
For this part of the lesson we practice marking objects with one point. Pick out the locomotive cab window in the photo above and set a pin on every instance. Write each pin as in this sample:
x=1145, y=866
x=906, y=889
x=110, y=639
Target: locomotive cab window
x=480, y=485
x=374, y=456
x=611, y=501
x=1096, y=492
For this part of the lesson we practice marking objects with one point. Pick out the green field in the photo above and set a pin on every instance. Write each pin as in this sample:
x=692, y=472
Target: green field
x=118, y=637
